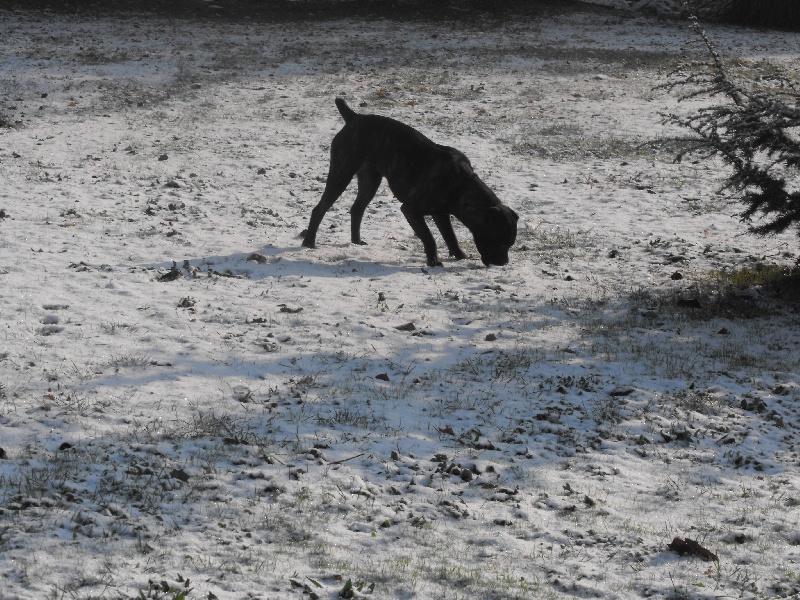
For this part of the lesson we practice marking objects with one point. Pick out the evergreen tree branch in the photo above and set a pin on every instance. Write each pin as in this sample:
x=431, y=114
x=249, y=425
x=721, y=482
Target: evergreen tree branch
x=751, y=130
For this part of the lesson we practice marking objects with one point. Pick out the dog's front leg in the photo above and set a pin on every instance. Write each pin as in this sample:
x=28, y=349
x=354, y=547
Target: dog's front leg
x=446, y=229
x=333, y=189
x=423, y=232
x=310, y=238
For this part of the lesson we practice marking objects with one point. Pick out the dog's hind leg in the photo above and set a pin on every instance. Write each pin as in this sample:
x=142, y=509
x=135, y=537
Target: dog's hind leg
x=446, y=229
x=369, y=180
x=423, y=232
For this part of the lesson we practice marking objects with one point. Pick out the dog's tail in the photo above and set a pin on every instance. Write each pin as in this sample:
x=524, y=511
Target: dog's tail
x=346, y=112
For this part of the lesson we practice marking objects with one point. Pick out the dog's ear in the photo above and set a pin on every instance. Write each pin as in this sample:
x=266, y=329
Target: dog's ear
x=505, y=211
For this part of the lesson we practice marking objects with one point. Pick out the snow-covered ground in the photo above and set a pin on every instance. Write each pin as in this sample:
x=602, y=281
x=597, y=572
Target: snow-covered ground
x=188, y=396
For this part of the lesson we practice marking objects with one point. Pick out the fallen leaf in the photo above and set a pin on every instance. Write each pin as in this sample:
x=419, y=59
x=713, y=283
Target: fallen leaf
x=691, y=547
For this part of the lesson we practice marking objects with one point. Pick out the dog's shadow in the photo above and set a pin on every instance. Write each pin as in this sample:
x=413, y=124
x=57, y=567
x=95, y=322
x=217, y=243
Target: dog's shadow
x=275, y=262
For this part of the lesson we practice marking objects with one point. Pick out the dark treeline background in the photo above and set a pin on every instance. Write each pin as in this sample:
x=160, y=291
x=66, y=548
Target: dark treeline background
x=279, y=10
x=780, y=14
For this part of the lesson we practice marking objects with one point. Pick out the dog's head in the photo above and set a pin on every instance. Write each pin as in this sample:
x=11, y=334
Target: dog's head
x=494, y=239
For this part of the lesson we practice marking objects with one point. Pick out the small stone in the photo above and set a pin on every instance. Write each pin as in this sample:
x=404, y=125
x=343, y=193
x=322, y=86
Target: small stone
x=621, y=391
x=180, y=475
x=170, y=275
x=689, y=303
x=292, y=311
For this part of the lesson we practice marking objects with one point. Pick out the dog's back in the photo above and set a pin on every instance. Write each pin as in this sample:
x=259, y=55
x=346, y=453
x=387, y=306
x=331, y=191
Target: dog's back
x=400, y=136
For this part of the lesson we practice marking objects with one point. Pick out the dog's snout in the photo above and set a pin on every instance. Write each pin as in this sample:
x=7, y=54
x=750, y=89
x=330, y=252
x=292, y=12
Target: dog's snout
x=498, y=261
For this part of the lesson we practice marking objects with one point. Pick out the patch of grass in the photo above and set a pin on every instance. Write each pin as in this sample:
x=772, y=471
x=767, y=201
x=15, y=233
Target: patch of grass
x=447, y=404
x=38, y=479
x=564, y=146
x=616, y=343
x=112, y=328
x=78, y=403
x=780, y=280
x=440, y=82
x=501, y=367
x=698, y=206
x=699, y=401
x=556, y=242
x=122, y=361
x=92, y=55
x=561, y=129
x=605, y=411
x=163, y=590
x=352, y=415
x=747, y=292
x=232, y=431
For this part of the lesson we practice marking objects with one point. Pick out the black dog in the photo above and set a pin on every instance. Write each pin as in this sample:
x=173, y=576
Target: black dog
x=427, y=178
